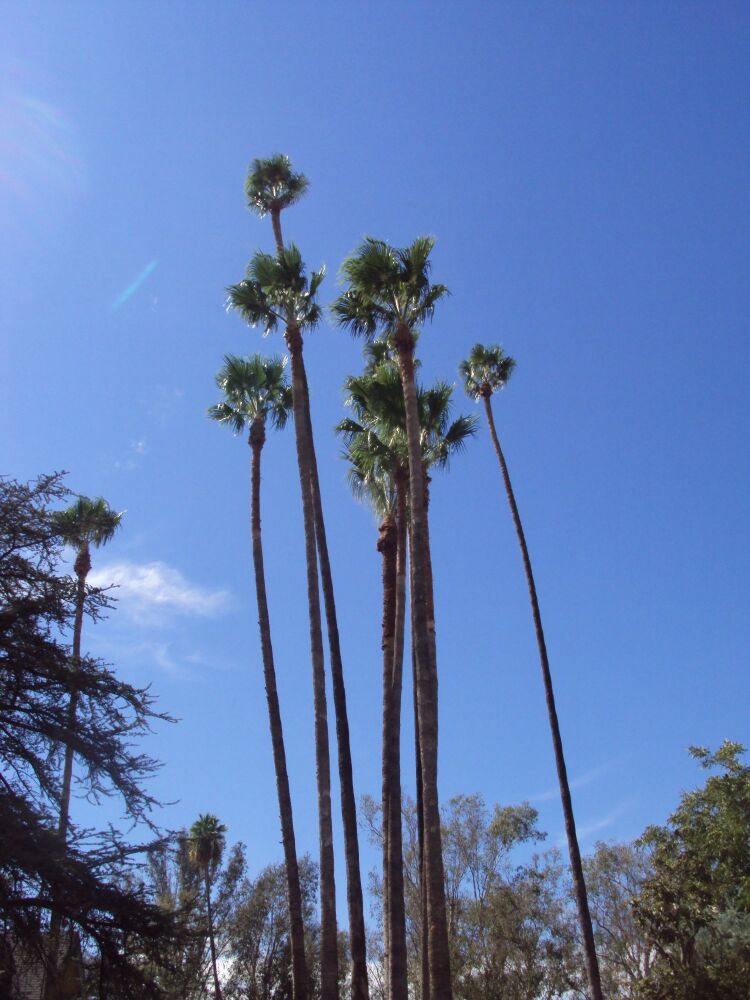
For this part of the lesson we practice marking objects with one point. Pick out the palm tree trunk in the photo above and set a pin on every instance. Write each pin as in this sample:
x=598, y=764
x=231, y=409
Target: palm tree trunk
x=82, y=568
x=399, y=986
x=211, y=939
x=294, y=894
x=579, y=883
x=427, y=705
x=355, y=902
x=328, y=933
x=387, y=548
x=393, y=874
x=423, y=944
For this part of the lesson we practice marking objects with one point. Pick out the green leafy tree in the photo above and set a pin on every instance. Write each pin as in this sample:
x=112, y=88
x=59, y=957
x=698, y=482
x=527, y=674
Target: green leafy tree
x=485, y=372
x=257, y=391
x=695, y=905
x=206, y=850
x=84, y=879
x=389, y=292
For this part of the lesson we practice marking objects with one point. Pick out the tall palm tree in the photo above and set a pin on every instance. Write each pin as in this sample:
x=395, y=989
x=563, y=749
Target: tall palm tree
x=389, y=292
x=276, y=292
x=486, y=371
x=84, y=524
x=206, y=849
x=273, y=186
x=377, y=447
x=257, y=391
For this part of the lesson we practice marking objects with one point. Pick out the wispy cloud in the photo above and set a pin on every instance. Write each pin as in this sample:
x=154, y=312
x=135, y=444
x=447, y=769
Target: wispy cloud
x=589, y=829
x=152, y=588
x=579, y=782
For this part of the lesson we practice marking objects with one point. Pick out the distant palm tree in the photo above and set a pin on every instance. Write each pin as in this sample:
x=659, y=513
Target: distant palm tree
x=277, y=292
x=256, y=391
x=206, y=845
x=486, y=371
x=273, y=186
x=83, y=524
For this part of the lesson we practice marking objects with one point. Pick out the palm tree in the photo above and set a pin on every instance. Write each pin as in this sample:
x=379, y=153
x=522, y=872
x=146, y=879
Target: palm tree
x=256, y=391
x=276, y=292
x=377, y=447
x=272, y=186
x=389, y=291
x=486, y=371
x=83, y=524
x=206, y=849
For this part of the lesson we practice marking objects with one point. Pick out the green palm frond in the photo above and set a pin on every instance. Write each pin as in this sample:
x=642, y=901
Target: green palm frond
x=86, y=522
x=254, y=388
x=273, y=185
x=387, y=287
x=206, y=841
x=486, y=370
x=276, y=290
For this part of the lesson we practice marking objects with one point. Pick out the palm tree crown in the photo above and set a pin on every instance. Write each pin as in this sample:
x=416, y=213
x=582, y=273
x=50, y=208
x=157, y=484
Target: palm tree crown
x=255, y=388
x=486, y=370
x=206, y=841
x=87, y=522
x=272, y=185
x=276, y=290
x=389, y=288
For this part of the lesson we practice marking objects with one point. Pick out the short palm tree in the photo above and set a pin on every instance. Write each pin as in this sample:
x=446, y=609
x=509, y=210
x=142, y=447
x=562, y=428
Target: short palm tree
x=272, y=186
x=486, y=371
x=256, y=391
x=276, y=292
x=206, y=847
x=84, y=524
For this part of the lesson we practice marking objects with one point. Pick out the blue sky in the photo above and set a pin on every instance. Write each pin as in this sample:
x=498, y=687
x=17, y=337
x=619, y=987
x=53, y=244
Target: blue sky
x=584, y=168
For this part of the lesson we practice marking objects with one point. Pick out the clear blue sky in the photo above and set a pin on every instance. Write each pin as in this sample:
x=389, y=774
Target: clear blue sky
x=585, y=168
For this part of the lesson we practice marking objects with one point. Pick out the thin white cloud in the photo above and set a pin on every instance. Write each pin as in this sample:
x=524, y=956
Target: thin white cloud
x=585, y=832
x=580, y=782
x=151, y=588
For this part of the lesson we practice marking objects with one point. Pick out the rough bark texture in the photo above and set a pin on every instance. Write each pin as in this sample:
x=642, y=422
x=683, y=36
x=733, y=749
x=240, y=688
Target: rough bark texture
x=211, y=938
x=300, y=979
x=82, y=568
x=397, y=909
x=424, y=950
x=354, y=897
x=427, y=706
x=387, y=548
x=328, y=933
x=579, y=883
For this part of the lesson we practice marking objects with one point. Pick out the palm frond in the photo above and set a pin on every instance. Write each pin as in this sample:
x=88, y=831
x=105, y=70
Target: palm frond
x=272, y=184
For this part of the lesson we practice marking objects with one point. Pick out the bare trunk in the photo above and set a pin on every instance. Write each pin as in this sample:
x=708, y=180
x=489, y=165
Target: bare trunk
x=424, y=949
x=387, y=549
x=397, y=910
x=328, y=933
x=579, y=883
x=300, y=977
x=211, y=939
x=82, y=568
x=427, y=705
x=355, y=902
